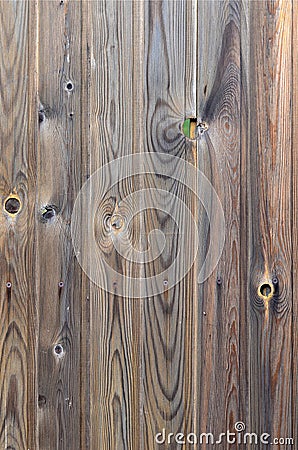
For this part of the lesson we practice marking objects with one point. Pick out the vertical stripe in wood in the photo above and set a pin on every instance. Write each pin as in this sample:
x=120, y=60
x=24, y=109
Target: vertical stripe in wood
x=269, y=218
x=17, y=292
x=17, y=134
x=169, y=318
x=58, y=276
x=219, y=100
x=85, y=347
x=294, y=368
x=115, y=102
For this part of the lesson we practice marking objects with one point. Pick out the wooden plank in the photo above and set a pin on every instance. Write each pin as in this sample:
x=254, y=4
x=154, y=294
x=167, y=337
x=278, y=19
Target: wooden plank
x=32, y=299
x=269, y=208
x=17, y=160
x=294, y=368
x=219, y=106
x=170, y=318
x=85, y=170
x=59, y=173
x=114, y=41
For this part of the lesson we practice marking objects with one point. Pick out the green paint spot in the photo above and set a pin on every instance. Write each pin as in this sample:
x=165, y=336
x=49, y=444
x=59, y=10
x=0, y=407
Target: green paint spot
x=186, y=128
x=189, y=127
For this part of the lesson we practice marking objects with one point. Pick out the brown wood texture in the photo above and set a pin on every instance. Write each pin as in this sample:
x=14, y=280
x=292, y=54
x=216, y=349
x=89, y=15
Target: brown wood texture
x=270, y=209
x=58, y=176
x=18, y=322
x=295, y=221
x=83, y=83
x=219, y=105
x=112, y=42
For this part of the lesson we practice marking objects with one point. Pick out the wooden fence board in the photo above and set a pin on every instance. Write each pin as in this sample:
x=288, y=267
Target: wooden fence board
x=269, y=218
x=58, y=276
x=112, y=38
x=169, y=319
x=294, y=337
x=219, y=100
x=18, y=312
x=82, y=83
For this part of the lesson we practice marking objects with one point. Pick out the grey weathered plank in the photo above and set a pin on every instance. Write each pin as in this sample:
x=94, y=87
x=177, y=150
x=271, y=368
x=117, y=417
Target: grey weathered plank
x=59, y=173
x=170, y=319
x=17, y=162
x=219, y=103
x=294, y=367
x=269, y=210
x=114, y=38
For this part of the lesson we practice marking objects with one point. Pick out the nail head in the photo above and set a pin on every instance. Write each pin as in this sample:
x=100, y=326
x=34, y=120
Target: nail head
x=69, y=86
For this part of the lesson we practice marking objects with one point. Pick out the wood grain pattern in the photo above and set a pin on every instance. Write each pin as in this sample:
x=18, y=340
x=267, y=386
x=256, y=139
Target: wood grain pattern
x=17, y=316
x=170, y=318
x=59, y=174
x=114, y=42
x=269, y=211
x=219, y=103
x=294, y=336
x=83, y=83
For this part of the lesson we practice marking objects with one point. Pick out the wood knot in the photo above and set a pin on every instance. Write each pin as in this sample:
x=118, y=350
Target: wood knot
x=193, y=129
x=58, y=350
x=48, y=212
x=41, y=116
x=41, y=401
x=202, y=127
x=12, y=205
x=266, y=290
x=116, y=222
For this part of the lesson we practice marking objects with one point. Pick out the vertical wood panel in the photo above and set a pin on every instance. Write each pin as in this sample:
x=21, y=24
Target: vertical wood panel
x=58, y=182
x=269, y=217
x=17, y=310
x=169, y=333
x=114, y=41
x=294, y=336
x=85, y=347
x=219, y=103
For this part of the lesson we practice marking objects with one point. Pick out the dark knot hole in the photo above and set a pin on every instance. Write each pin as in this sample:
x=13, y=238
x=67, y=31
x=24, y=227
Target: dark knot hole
x=12, y=205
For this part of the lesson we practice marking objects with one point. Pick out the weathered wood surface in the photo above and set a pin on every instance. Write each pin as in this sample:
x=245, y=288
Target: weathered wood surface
x=295, y=222
x=59, y=175
x=219, y=101
x=269, y=230
x=83, y=83
x=18, y=312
